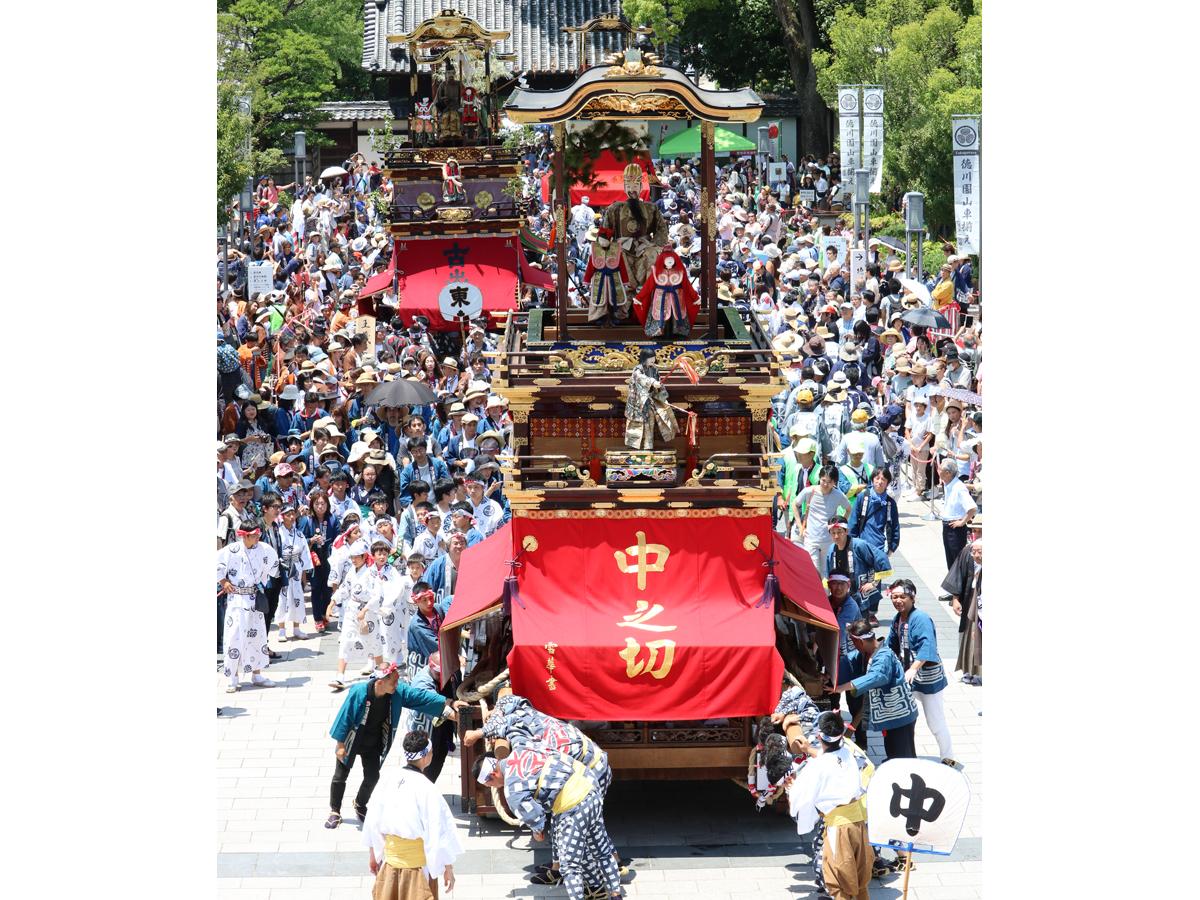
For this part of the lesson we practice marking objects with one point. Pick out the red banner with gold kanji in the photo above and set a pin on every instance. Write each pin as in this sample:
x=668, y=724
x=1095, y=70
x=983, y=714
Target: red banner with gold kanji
x=648, y=615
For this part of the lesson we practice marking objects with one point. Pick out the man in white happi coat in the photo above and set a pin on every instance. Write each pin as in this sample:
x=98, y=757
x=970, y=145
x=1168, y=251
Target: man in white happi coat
x=295, y=561
x=360, y=641
x=395, y=611
x=410, y=830
x=583, y=217
x=243, y=568
x=488, y=513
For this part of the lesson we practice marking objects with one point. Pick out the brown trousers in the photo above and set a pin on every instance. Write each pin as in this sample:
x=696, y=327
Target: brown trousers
x=846, y=861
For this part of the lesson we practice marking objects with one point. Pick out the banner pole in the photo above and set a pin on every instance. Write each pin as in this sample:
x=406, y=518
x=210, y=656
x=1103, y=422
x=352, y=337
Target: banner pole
x=907, y=869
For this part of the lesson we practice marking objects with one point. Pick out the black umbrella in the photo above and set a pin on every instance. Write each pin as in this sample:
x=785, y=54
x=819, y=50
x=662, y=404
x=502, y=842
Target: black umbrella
x=401, y=392
x=923, y=315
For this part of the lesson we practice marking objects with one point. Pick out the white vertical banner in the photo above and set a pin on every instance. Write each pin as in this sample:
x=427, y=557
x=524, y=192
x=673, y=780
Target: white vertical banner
x=965, y=140
x=858, y=269
x=872, y=138
x=850, y=142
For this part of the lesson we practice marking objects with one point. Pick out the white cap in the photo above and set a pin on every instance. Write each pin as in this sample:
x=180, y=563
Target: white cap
x=490, y=765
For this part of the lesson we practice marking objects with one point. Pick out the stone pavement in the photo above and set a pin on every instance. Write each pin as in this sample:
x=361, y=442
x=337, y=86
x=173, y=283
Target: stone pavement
x=703, y=839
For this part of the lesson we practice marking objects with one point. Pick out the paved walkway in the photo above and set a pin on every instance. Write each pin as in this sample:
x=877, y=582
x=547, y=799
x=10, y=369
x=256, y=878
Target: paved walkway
x=275, y=759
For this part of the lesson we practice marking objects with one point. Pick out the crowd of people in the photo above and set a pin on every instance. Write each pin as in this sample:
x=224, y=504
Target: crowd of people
x=338, y=513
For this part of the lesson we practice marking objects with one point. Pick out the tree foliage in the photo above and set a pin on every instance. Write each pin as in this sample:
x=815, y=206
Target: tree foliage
x=287, y=56
x=928, y=55
x=737, y=43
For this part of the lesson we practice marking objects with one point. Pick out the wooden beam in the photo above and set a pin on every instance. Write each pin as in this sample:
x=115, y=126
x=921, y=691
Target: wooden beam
x=708, y=224
x=560, y=222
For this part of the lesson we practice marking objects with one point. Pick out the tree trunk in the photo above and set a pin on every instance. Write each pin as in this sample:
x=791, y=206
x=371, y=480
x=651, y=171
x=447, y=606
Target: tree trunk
x=800, y=35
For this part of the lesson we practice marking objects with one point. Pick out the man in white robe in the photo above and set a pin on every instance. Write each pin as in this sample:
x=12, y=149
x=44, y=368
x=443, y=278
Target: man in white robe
x=395, y=610
x=295, y=562
x=359, y=642
x=243, y=569
x=410, y=830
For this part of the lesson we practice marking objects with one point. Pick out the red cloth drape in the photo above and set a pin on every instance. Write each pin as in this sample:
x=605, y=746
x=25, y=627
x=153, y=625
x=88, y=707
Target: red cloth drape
x=682, y=641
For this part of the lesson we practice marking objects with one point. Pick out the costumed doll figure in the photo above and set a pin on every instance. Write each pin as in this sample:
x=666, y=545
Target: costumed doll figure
x=638, y=226
x=449, y=102
x=667, y=303
x=646, y=405
x=470, y=112
x=605, y=276
x=452, y=186
x=423, y=121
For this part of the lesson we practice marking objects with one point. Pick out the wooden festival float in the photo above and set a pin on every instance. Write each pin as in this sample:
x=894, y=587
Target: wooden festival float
x=457, y=254
x=642, y=594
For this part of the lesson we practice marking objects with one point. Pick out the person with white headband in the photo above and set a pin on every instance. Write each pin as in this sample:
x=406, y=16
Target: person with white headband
x=243, y=569
x=830, y=791
x=410, y=830
x=912, y=636
x=359, y=599
x=544, y=785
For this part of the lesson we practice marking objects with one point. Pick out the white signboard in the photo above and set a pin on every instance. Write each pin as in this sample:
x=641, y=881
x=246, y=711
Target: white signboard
x=259, y=279
x=837, y=241
x=778, y=173
x=807, y=196
x=858, y=269
x=872, y=135
x=460, y=300
x=965, y=139
x=365, y=325
x=917, y=803
x=850, y=145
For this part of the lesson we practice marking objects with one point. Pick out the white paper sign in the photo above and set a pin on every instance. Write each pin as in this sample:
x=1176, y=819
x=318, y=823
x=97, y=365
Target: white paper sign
x=918, y=802
x=365, y=325
x=872, y=136
x=778, y=173
x=258, y=278
x=858, y=269
x=460, y=299
x=808, y=196
x=849, y=135
x=967, y=209
x=837, y=241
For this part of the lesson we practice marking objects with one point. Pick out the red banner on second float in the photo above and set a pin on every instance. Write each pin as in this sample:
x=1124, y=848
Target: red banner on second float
x=650, y=617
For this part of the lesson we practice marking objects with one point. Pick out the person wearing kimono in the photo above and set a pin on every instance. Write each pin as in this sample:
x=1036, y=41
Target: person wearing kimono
x=828, y=793
x=913, y=638
x=359, y=599
x=542, y=785
x=364, y=728
x=295, y=560
x=243, y=569
x=441, y=735
x=516, y=721
x=395, y=611
x=875, y=672
x=410, y=830
x=646, y=405
x=964, y=584
x=605, y=277
x=667, y=303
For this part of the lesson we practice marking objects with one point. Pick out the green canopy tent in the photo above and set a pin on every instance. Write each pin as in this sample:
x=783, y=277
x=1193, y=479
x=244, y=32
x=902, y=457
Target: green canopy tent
x=687, y=143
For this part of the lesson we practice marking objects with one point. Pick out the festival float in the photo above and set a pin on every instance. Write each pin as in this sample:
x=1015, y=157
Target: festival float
x=639, y=589
x=457, y=254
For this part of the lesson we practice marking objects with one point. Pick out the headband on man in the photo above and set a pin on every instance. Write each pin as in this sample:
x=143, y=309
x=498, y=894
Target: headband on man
x=414, y=755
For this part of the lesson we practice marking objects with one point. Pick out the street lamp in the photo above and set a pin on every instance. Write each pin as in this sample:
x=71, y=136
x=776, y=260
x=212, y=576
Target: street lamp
x=300, y=161
x=862, y=199
x=914, y=223
x=246, y=205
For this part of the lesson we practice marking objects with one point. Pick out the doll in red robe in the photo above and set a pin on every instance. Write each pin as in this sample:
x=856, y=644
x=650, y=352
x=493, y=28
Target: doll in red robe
x=667, y=303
